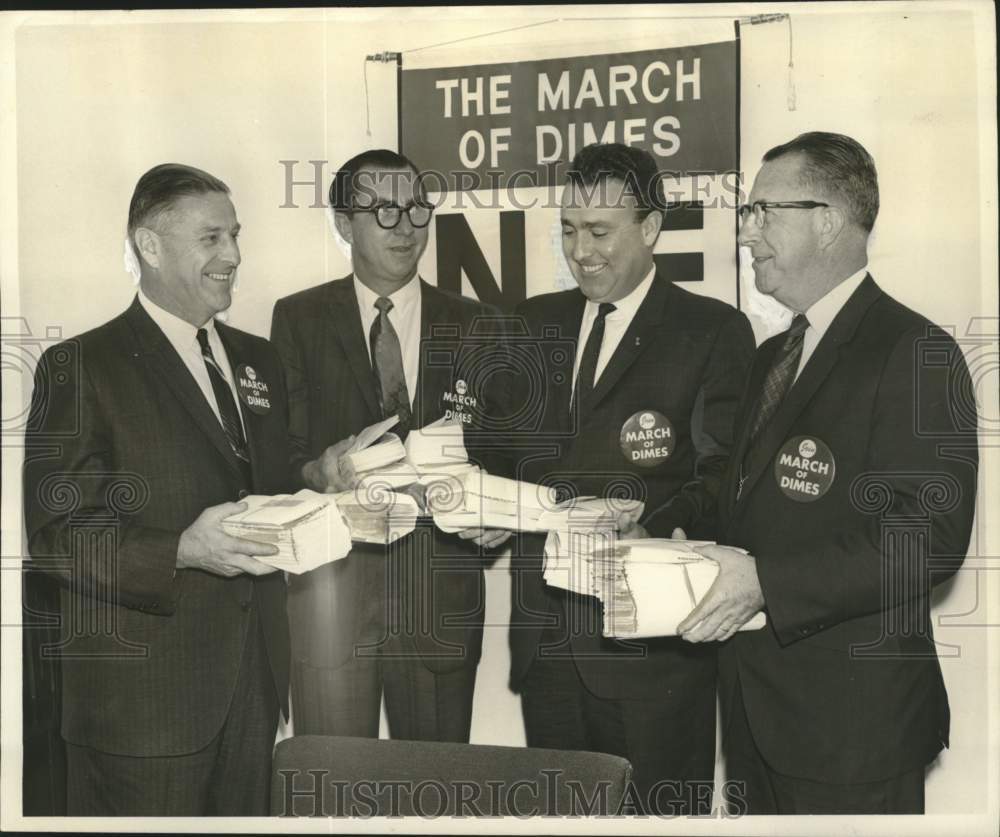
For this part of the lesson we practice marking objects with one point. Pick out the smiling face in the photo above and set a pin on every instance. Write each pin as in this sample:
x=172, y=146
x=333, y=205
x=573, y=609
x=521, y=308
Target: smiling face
x=384, y=260
x=785, y=248
x=194, y=256
x=608, y=248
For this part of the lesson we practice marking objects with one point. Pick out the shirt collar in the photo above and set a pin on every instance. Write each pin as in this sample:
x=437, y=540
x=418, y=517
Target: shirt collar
x=402, y=298
x=178, y=331
x=822, y=312
x=626, y=307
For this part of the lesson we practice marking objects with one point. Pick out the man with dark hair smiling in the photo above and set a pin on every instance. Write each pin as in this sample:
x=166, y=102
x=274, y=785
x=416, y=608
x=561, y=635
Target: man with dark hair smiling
x=403, y=620
x=646, y=351
x=844, y=504
x=141, y=439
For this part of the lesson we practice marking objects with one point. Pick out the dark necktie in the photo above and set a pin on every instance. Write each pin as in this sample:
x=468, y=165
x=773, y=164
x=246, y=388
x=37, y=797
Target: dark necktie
x=776, y=384
x=588, y=363
x=228, y=411
x=387, y=359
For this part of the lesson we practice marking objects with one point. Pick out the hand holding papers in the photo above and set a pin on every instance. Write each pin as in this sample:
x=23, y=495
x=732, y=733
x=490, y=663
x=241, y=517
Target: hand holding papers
x=376, y=462
x=306, y=527
x=311, y=529
x=647, y=586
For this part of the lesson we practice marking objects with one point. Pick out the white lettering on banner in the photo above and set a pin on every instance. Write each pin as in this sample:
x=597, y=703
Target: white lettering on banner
x=553, y=99
x=472, y=96
x=550, y=142
x=498, y=95
x=447, y=85
x=621, y=82
x=617, y=85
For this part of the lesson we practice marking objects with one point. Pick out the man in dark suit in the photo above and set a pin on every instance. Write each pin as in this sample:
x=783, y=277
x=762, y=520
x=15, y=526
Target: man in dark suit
x=851, y=492
x=141, y=437
x=642, y=354
x=404, y=620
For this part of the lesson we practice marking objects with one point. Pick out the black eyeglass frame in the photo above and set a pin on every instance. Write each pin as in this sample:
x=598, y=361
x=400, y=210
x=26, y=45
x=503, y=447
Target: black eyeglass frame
x=378, y=209
x=759, y=208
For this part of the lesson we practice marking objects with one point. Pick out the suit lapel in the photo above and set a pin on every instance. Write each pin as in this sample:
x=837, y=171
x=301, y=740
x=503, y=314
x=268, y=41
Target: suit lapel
x=433, y=379
x=815, y=372
x=236, y=354
x=647, y=319
x=163, y=359
x=568, y=319
x=347, y=328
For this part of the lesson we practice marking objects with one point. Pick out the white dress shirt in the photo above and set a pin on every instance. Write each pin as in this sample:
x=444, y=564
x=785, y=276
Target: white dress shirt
x=405, y=318
x=615, y=326
x=823, y=312
x=184, y=338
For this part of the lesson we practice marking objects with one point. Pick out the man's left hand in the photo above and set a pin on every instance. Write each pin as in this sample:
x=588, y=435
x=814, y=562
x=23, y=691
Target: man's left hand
x=731, y=602
x=486, y=538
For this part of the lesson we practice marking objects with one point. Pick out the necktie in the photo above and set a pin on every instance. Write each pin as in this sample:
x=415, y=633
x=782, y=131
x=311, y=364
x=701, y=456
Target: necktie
x=776, y=384
x=588, y=363
x=228, y=411
x=387, y=358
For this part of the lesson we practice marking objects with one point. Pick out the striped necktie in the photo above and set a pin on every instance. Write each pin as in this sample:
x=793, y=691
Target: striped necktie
x=228, y=411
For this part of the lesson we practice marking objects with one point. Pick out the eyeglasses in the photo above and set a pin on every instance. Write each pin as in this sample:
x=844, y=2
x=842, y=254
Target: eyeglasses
x=388, y=215
x=758, y=208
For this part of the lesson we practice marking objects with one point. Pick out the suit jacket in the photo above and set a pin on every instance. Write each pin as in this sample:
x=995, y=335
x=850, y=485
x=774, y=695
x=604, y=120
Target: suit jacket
x=683, y=356
x=123, y=453
x=434, y=582
x=843, y=685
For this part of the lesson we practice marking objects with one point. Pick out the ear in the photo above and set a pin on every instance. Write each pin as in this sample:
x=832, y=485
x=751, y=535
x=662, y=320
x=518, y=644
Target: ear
x=343, y=223
x=148, y=246
x=651, y=227
x=832, y=221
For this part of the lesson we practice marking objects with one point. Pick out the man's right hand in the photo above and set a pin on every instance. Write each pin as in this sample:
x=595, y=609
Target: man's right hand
x=205, y=546
x=323, y=474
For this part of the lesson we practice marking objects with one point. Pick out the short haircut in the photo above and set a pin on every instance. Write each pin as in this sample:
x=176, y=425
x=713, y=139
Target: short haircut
x=838, y=166
x=161, y=186
x=343, y=186
x=599, y=162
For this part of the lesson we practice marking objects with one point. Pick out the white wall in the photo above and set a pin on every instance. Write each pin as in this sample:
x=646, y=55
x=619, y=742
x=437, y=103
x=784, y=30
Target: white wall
x=97, y=105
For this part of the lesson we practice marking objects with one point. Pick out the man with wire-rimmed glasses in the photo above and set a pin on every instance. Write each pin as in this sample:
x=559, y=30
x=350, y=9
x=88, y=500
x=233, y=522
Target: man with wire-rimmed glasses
x=849, y=495
x=405, y=620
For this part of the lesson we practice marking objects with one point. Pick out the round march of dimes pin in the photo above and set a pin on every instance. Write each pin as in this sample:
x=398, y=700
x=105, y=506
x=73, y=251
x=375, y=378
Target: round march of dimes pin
x=253, y=391
x=647, y=438
x=804, y=469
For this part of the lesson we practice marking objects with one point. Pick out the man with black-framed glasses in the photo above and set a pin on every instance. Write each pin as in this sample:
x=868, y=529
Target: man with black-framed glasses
x=849, y=495
x=404, y=620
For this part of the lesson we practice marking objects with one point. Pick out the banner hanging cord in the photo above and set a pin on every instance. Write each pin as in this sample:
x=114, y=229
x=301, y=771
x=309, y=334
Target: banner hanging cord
x=791, y=66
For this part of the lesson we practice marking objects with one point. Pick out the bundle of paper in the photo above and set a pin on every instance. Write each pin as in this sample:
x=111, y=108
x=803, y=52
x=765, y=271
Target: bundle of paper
x=438, y=444
x=491, y=502
x=380, y=520
x=377, y=459
x=306, y=527
x=583, y=514
x=647, y=586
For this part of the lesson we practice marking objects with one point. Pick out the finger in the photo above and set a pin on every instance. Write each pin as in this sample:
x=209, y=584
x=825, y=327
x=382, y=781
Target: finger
x=224, y=510
x=678, y=534
x=471, y=534
x=243, y=546
x=255, y=567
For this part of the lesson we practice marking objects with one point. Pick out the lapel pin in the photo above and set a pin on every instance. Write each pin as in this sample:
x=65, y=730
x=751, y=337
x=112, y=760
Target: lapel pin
x=637, y=341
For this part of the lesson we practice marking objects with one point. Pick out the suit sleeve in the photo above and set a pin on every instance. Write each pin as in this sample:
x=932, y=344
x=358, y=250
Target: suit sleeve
x=283, y=338
x=712, y=422
x=77, y=505
x=921, y=468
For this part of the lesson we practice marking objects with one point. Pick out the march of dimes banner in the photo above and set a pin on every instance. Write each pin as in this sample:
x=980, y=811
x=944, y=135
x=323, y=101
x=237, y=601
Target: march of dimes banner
x=494, y=141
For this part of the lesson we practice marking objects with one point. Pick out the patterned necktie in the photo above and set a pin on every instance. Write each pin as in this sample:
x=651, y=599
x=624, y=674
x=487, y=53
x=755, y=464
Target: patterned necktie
x=588, y=363
x=228, y=411
x=387, y=358
x=779, y=378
